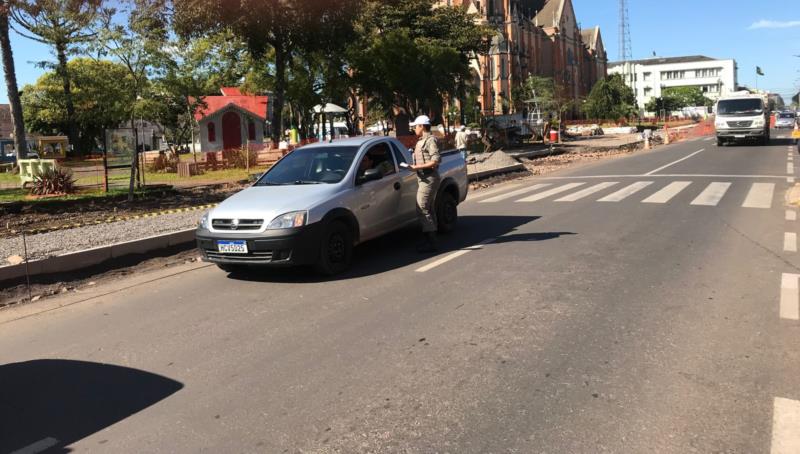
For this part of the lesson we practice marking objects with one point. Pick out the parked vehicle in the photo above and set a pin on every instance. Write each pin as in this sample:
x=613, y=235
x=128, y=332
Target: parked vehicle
x=742, y=116
x=785, y=120
x=319, y=201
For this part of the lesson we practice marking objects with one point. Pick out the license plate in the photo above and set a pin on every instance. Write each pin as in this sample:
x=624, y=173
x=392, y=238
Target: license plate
x=796, y=134
x=739, y=136
x=232, y=247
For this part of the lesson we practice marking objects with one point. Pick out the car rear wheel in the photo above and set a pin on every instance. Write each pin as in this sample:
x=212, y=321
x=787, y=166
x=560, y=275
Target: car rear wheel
x=447, y=213
x=336, y=250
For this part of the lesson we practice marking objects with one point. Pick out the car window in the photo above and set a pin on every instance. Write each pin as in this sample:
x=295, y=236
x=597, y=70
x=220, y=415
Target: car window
x=787, y=115
x=310, y=165
x=398, y=155
x=377, y=157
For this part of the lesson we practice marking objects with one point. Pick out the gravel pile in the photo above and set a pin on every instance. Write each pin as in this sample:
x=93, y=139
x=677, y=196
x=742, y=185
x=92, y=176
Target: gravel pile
x=60, y=242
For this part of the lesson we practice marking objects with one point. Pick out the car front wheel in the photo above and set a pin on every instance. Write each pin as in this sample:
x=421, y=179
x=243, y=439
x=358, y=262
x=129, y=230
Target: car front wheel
x=336, y=249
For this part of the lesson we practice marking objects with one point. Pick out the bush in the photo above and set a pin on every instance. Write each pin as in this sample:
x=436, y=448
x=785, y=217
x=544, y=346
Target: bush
x=53, y=181
x=238, y=158
x=165, y=163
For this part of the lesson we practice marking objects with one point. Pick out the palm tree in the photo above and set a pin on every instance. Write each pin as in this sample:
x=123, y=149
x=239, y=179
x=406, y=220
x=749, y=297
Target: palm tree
x=11, y=83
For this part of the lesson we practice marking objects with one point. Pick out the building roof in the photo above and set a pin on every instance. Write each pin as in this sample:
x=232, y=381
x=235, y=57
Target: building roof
x=589, y=37
x=550, y=13
x=231, y=96
x=666, y=60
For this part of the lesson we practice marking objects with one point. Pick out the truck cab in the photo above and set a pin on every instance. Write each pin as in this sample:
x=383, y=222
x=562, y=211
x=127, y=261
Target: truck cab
x=741, y=117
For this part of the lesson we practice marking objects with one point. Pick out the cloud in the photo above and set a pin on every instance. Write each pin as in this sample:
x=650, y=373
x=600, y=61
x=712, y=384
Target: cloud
x=774, y=24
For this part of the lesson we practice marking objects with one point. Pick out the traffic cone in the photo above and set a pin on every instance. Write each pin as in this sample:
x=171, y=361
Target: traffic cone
x=666, y=134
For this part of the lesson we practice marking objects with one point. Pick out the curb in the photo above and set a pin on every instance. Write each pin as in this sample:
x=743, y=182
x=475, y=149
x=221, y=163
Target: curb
x=493, y=172
x=82, y=259
x=115, y=219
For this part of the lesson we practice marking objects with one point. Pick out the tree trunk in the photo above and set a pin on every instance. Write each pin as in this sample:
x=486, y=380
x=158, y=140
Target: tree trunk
x=72, y=133
x=134, y=160
x=20, y=144
x=280, y=92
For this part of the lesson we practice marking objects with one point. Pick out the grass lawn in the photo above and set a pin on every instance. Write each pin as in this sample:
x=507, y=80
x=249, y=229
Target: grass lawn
x=210, y=176
x=7, y=178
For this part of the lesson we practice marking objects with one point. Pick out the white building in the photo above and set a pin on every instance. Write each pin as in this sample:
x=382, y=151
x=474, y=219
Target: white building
x=649, y=77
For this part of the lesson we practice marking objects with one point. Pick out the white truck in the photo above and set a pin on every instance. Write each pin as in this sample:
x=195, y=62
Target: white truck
x=742, y=116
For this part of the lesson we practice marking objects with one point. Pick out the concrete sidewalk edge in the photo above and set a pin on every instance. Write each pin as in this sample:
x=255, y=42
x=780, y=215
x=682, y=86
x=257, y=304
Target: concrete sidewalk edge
x=82, y=259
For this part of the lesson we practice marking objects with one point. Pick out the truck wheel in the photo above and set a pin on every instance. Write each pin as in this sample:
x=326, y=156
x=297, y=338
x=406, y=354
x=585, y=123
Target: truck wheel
x=447, y=213
x=336, y=250
x=720, y=142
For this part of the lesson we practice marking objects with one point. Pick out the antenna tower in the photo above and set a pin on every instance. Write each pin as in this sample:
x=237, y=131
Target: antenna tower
x=625, y=53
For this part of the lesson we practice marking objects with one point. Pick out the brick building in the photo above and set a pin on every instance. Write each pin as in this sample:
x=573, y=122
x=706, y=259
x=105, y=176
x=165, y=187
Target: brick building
x=534, y=37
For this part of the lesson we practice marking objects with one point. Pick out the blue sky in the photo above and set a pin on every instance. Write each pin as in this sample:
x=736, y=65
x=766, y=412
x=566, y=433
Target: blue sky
x=766, y=34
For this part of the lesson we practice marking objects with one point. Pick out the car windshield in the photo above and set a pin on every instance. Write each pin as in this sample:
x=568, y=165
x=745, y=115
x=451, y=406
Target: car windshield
x=310, y=165
x=740, y=107
x=786, y=115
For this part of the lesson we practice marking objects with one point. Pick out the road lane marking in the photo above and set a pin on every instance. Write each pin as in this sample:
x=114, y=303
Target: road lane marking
x=41, y=445
x=790, y=180
x=668, y=192
x=790, y=299
x=789, y=168
x=548, y=193
x=760, y=196
x=511, y=194
x=790, y=242
x=481, y=194
x=785, y=426
x=791, y=215
x=674, y=162
x=586, y=192
x=663, y=175
x=712, y=194
x=454, y=255
x=626, y=192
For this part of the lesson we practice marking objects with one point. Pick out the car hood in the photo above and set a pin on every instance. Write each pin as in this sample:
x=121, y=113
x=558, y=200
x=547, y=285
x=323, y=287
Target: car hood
x=268, y=202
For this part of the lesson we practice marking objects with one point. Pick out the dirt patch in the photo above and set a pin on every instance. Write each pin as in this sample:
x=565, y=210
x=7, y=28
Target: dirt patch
x=42, y=288
x=28, y=216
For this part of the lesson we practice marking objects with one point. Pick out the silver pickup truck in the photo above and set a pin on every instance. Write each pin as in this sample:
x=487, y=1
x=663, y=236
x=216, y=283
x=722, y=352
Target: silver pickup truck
x=314, y=205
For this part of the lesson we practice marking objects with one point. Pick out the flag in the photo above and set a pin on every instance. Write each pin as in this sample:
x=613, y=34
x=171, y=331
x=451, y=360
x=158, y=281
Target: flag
x=759, y=71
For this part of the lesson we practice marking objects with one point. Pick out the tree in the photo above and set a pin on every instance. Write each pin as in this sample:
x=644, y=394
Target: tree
x=101, y=100
x=409, y=55
x=610, y=98
x=551, y=96
x=283, y=27
x=20, y=145
x=687, y=96
x=63, y=25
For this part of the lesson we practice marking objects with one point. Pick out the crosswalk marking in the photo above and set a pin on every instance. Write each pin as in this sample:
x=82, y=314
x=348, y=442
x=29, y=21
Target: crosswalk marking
x=790, y=300
x=626, y=192
x=548, y=193
x=712, y=194
x=785, y=421
x=586, y=192
x=790, y=168
x=668, y=192
x=759, y=196
x=791, y=215
x=508, y=195
x=790, y=242
x=484, y=193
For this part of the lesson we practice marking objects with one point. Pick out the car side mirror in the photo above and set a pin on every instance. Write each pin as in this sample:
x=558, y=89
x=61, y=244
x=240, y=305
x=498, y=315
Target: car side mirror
x=370, y=175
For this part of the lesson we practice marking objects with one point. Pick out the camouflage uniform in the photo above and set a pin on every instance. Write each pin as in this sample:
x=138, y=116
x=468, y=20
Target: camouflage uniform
x=427, y=150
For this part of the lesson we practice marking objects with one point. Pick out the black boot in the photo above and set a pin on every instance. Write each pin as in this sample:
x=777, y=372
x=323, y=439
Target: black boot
x=429, y=245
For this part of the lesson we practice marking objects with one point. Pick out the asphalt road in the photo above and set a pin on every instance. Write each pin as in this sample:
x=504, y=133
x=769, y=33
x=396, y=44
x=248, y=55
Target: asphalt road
x=637, y=305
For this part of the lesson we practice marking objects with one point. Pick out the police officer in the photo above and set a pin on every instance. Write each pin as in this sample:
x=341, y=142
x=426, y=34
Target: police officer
x=426, y=164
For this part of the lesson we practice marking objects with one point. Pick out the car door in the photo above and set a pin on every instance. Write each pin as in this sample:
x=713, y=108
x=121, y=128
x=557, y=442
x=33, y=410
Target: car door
x=408, y=196
x=378, y=202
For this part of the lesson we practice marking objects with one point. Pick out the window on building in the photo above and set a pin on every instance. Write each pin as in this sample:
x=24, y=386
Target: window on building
x=251, y=130
x=212, y=132
x=646, y=77
x=648, y=91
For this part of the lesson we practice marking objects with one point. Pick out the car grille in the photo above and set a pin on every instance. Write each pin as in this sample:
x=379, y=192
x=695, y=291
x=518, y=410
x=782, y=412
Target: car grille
x=254, y=256
x=739, y=124
x=237, y=224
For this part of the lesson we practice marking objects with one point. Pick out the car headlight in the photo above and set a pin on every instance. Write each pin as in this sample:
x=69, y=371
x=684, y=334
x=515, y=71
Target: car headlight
x=289, y=220
x=720, y=123
x=203, y=223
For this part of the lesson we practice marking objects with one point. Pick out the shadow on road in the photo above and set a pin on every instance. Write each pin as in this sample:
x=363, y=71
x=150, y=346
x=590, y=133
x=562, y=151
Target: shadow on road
x=53, y=403
x=398, y=249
